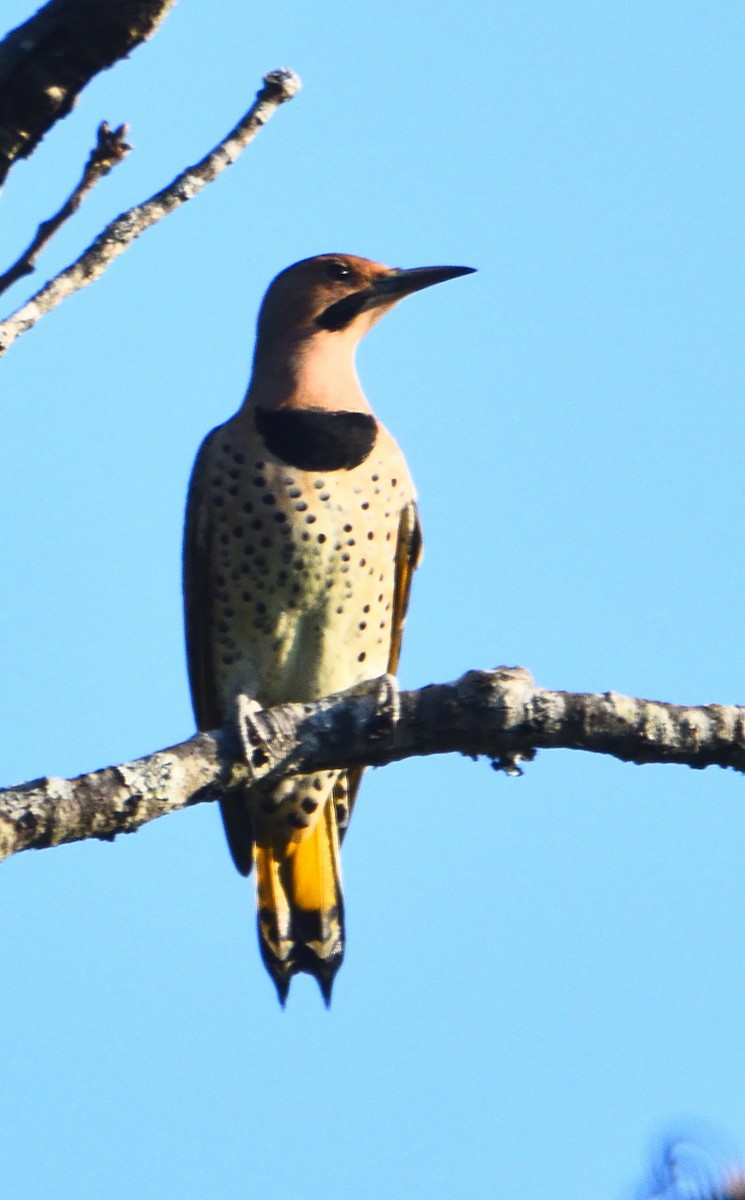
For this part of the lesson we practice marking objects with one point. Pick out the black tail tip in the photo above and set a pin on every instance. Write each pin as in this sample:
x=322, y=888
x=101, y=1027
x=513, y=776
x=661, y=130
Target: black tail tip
x=323, y=970
x=283, y=989
x=323, y=973
x=326, y=984
x=304, y=959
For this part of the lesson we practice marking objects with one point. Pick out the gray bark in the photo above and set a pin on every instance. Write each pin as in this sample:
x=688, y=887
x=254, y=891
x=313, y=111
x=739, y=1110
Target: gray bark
x=499, y=714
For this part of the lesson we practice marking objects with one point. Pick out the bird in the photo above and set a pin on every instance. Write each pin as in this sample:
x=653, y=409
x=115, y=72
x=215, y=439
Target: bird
x=301, y=538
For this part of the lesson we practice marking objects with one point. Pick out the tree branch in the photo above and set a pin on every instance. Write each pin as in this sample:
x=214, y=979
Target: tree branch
x=110, y=149
x=500, y=714
x=688, y=1169
x=46, y=62
x=279, y=86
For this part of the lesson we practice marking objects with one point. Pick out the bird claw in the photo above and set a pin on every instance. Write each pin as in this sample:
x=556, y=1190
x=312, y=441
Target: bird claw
x=255, y=734
x=387, y=701
x=264, y=738
x=387, y=704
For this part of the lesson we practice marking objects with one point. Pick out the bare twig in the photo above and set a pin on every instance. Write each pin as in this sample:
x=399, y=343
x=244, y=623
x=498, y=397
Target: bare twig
x=279, y=86
x=501, y=714
x=110, y=149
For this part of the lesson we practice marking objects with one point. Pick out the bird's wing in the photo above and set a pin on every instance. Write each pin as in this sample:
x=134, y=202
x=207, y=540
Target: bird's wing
x=408, y=557
x=196, y=567
x=198, y=532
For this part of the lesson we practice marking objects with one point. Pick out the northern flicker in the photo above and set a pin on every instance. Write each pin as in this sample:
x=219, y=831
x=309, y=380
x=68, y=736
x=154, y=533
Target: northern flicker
x=300, y=543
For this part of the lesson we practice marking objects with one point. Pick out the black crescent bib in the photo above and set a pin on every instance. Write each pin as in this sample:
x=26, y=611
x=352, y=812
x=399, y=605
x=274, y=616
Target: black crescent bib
x=313, y=439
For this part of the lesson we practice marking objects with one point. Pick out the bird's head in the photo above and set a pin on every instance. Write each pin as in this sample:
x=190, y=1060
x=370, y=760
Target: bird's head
x=339, y=294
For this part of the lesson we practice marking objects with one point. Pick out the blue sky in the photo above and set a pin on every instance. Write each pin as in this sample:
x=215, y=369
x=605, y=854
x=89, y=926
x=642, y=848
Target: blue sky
x=544, y=975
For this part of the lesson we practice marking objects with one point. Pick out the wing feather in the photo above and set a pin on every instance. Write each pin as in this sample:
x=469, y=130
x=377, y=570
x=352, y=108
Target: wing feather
x=198, y=533
x=408, y=557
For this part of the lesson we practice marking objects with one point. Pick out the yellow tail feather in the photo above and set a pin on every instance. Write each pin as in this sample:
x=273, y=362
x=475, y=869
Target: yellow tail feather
x=300, y=905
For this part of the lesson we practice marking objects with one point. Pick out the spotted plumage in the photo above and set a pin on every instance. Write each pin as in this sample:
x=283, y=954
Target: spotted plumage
x=301, y=539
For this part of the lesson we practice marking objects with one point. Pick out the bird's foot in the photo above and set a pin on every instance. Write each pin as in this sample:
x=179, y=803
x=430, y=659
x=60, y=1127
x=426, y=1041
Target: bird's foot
x=386, y=697
x=258, y=736
x=387, y=705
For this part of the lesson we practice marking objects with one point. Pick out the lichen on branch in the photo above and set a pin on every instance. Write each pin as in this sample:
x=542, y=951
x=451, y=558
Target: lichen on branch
x=501, y=715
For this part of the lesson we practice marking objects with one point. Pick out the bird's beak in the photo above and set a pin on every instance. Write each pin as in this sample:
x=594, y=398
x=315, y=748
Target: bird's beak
x=386, y=289
x=402, y=283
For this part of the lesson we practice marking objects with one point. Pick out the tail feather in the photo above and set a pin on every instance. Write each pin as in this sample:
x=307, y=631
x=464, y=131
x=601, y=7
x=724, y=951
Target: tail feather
x=300, y=905
x=276, y=939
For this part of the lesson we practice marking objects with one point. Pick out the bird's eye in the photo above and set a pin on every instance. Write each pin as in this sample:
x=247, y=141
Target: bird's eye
x=338, y=270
